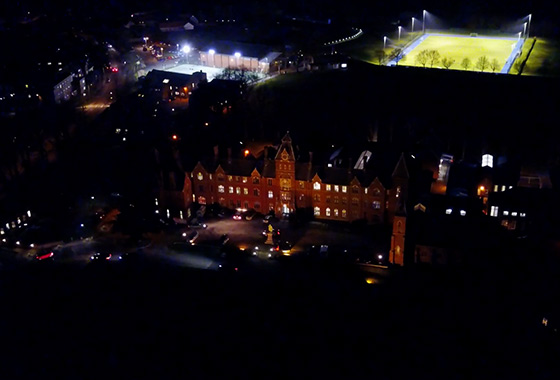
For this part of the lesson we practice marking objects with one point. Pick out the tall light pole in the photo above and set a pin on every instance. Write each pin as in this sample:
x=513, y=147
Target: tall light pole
x=423, y=21
x=211, y=53
x=400, y=28
x=519, y=36
x=529, y=26
x=384, y=42
x=412, y=31
x=237, y=55
x=525, y=29
x=186, y=49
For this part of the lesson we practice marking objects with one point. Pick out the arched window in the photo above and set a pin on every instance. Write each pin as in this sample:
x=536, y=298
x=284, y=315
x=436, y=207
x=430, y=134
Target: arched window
x=344, y=213
x=199, y=176
x=328, y=211
x=317, y=211
x=316, y=186
x=221, y=188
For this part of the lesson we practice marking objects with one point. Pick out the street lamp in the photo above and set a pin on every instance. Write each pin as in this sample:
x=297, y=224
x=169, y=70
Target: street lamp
x=412, y=31
x=423, y=21
x=211, y=53
x=529, y=25
x=186, y=49
x=519, y=36
x=525, y=29
x=384, y=42
x=237, y=55
x=400, y=28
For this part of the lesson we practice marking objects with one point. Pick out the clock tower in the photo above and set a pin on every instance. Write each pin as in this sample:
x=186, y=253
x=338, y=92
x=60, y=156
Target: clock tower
x=285, y=174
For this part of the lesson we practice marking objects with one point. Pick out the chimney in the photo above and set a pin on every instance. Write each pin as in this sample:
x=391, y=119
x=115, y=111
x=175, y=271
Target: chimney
x=216, y=152
x=229, y=154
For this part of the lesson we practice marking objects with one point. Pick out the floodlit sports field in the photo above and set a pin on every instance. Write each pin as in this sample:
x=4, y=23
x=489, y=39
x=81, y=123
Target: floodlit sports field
x=459, y=48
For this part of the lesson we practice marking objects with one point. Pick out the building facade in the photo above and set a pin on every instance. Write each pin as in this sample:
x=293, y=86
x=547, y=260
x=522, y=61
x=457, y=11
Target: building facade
x=282, y=184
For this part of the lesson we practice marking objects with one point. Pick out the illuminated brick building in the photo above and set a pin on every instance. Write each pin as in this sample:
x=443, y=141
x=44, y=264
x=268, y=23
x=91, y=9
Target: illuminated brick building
x=281, y=183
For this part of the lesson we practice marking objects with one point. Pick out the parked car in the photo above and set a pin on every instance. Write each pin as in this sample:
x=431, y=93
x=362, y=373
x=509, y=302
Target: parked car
x=198, y=225
x=44, y=255
x=190, y=236
x=250, y=215
x=237, y=216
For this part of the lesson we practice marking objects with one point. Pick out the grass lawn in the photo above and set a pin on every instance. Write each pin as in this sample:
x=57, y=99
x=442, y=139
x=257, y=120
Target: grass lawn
x=543, y=59
x=458, y=48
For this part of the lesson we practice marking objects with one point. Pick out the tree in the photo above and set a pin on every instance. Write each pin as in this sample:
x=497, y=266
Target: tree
x=242, y=74
x=422, y=58
x=482, y=63
x=466, y=63
x=518, y=66
x=447, y=62
x=433, y=57
x=399, y=55
x=380, y=56
x=494, y=65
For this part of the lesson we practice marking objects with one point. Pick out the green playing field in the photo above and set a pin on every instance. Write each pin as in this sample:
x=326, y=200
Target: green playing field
x=458, y=48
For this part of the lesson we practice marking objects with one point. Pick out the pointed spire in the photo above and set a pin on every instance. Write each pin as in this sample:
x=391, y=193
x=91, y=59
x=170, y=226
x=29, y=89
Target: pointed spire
x=286, y=151
x=401, y=171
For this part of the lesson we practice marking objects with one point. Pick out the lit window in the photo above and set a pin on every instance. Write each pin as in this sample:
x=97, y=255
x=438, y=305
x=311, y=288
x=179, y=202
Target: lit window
x=245, y=191
x=328, y=187
x=506, y=213
x=166, y=81
x=487, y=160
x=270, y=194
x=495, y=188
x=514, y=213
x=376, y=205
x=511, y=187
x=317, y=211
x=210, y=176
x=494, y=211
x=335, y=212
x=366, y=190
x=229, y=178
x=503, y=187
x=237, y=190
x=328, y=212
x=221, y=188
x=463, y=212
x=230, y=189
x=336, y=188
x=344, y=189
x=316, y=186
x=301, y=185
x=522, y=214
x=448, y=211
x=200, y=176
x=344, y=213
x=244, y=179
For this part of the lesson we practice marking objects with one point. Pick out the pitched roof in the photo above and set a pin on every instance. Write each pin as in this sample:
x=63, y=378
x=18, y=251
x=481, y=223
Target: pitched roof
x=287, y=147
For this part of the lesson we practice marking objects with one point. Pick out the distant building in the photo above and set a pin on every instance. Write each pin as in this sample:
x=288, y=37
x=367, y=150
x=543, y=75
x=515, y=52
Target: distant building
x=169, y=85
x=280, y=183
x=236, y=55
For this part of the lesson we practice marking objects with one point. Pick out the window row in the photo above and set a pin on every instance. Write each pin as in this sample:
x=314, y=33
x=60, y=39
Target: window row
x=335, y=213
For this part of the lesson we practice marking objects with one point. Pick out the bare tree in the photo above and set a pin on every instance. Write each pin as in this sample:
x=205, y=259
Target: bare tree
x=447, y=62
x=433, y=57
x=422, y=58
x=380, y=56
x=494, y=65
x=399, y=55
x=466, y=63
x=482, y=63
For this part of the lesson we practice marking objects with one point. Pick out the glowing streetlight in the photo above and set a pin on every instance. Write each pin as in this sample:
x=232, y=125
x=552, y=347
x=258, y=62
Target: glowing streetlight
x=186, y=49
x=384, y=42
x=400, y=28
x=424, y=21
x=211, y=53
x=519, y=36
x=412, y=31
x=525, y=29
x=237, y=55
x=529, y=25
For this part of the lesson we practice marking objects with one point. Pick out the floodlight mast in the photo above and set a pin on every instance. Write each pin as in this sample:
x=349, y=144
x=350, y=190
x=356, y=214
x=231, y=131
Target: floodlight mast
x=384, y=42
x=412, y=31
x=400, y=28
x=529, y=25
x=423, y=21
x=525, y=30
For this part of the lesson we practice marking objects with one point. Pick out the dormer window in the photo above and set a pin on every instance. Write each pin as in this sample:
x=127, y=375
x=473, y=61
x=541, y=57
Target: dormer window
x=199, y=176
x=316, y=186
